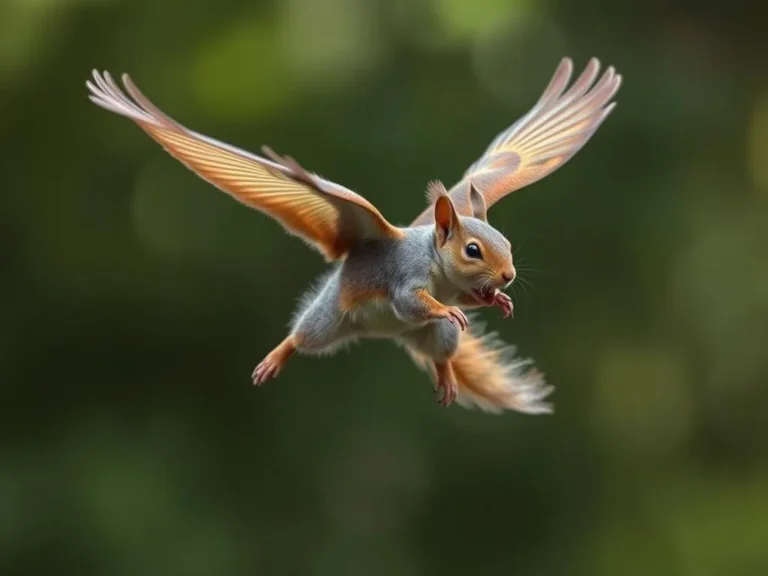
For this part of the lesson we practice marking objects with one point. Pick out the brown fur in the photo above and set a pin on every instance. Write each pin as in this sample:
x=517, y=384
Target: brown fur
x=479, y=371
x=436, y=308
x=275, y=360
x=351, y=297
x=445, y=381
x=484, y=377
x=496, y=262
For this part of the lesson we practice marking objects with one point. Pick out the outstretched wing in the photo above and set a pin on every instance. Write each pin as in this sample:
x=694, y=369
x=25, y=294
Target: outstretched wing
x=544, y=139
x=326, y=215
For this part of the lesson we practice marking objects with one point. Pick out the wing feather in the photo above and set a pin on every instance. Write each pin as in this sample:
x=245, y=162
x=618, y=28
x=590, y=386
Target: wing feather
x=554, y=129
x=326, y=215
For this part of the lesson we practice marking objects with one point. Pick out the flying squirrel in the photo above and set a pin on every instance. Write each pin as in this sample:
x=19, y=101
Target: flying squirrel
x=407, y=284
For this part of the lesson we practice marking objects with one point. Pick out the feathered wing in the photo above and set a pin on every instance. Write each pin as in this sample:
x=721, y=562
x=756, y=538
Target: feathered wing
x=326, y=215
x=557, y=126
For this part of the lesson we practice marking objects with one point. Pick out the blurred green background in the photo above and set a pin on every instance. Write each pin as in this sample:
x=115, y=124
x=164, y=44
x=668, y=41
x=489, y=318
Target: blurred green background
x=137, y=298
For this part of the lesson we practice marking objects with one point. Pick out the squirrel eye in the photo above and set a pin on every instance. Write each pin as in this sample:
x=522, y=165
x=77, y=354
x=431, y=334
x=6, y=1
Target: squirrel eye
x=473, y=251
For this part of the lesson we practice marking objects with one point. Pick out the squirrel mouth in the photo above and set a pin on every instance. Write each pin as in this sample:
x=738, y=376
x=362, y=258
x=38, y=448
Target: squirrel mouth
x=486, y=296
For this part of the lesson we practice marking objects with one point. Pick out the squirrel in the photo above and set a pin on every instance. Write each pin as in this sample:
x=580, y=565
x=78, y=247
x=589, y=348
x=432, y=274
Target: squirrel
x=407, y=284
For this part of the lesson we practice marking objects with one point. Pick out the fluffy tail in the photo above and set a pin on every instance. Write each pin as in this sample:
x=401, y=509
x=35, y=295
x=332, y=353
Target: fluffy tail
x=492, y=378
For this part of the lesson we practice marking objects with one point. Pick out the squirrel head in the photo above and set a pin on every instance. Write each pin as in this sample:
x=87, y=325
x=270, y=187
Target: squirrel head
x=475, y=257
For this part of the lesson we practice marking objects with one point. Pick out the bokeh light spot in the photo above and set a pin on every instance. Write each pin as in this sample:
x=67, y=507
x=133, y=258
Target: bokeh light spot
x=327, y=60
x=758, y=143
x=238, y=75
x=643, y=401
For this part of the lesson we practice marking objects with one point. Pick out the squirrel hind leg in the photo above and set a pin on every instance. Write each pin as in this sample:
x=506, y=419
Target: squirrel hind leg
x=446, y=385
x=438, y=340
x=320, y=326
x=433, y=346
x=274, y=361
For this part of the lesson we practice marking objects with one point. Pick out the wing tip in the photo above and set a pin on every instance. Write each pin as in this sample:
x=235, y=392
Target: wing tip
x=561, y=79
x=566, y=67
x=593, y=65
x=609, y=73
x=618, y=81
x=558, y=82
x=127, y=100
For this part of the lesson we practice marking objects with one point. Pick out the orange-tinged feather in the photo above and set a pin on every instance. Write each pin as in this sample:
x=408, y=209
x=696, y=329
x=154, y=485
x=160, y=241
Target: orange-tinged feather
x=545, y=138
x=327, y=215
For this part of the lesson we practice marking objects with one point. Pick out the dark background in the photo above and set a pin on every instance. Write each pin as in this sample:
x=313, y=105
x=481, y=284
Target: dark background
x=137, y=298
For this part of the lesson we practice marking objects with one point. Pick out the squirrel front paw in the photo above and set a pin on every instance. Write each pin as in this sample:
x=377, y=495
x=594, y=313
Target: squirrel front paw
x=455, y=316
x=501, y=300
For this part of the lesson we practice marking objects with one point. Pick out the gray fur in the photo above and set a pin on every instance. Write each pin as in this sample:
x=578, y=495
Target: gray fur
x=438, y=340
x=397, y=267
x=491, y=237
x=400, y=268
x=317, y=320
x=397, y=270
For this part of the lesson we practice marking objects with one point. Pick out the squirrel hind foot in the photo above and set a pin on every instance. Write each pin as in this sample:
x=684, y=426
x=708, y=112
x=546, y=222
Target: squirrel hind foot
x=273, y=363
x=446, y=385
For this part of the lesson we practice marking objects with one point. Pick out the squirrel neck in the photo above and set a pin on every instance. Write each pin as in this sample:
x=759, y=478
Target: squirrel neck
x=439, y=284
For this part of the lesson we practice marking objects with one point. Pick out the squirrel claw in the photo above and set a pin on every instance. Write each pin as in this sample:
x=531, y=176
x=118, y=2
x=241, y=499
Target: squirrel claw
x=504, y=302
x=274, y=361
x=445, y=384
x=456, y=316
x=449, y=391
x=268, y=368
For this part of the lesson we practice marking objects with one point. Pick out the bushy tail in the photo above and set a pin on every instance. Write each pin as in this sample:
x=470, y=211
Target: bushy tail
x=492, y=378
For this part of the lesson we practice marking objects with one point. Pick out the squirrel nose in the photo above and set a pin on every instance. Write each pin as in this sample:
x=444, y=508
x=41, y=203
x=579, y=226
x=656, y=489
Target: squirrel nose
x=509, y=275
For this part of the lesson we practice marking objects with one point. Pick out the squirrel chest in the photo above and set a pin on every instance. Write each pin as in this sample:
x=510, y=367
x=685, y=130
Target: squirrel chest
x=369, y=308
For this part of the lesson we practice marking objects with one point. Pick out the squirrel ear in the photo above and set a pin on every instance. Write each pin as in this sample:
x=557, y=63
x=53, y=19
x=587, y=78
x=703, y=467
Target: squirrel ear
x=477, y=202
x=445, y=219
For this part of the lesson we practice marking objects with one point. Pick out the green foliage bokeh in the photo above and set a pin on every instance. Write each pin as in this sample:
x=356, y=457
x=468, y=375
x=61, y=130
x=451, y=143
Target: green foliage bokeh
x=137, y=298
